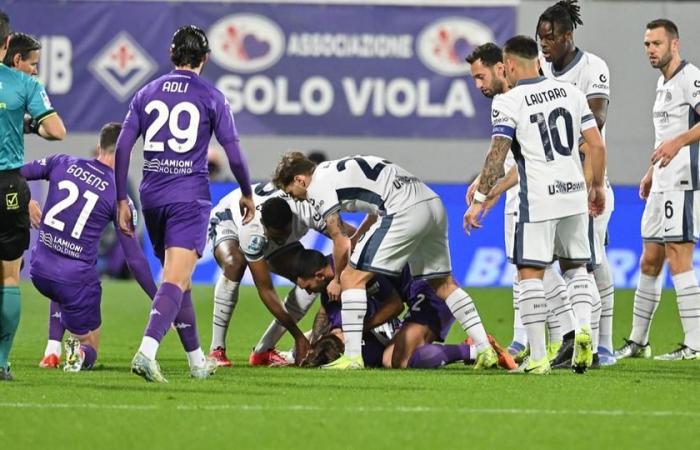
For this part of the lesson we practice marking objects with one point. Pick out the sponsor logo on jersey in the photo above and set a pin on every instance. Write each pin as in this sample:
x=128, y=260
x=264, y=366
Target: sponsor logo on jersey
x=696, y=83
x=603, y=78
x=566, y=187
x=246, y=43
x=495, y=113
x=661, y=116
x=443, y=45
x=168, y=166
x=122, y=66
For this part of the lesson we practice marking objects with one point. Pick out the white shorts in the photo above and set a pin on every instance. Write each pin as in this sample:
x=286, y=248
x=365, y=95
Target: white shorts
x=221, y=228
x=598, y=237
x=538, y=244
x=671, y=216
x=416, y=236
x=509, y=233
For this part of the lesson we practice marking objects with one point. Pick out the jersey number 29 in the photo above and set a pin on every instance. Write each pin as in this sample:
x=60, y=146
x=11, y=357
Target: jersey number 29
x=172, y=118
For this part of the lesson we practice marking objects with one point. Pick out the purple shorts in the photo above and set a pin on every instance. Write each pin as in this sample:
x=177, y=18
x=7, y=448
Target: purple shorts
x=181, y=225
x=426, y=308
x=79, y=303
x=372, y=351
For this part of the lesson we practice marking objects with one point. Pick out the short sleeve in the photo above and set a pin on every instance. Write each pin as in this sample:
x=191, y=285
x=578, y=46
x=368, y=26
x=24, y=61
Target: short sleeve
x=503, y=117
x=252, y=242
x=691, y=86
x=310, y=216
x=597, y=79
x=38, y=103
x=323, y=196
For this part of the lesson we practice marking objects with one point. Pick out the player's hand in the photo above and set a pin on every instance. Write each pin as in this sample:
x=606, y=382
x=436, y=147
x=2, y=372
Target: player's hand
x=124, y=218
x=301, y=349
x=470, y=191
x=333, y=289
x=247, y=208
x=34, y=213
x=645, y=186
x=665, y=152
x=596, y=201
x=473, y=217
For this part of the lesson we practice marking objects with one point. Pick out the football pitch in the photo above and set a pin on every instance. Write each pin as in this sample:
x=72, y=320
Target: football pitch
x=636, y=404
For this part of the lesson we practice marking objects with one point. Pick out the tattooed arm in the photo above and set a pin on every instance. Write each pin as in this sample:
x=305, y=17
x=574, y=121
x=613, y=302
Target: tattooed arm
x=320, y=327
x=490, y=174
x=341, y=252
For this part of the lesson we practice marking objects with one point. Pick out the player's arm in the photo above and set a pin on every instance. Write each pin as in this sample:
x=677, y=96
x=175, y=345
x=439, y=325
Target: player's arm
x=138, y=264
x=391, y=307
x=599, y=108
x=45, y=121
x=367, y=222
x=321, y=325
x=509, y=180
x=341, y=251
x=131, y=130
x=50, y=127
x=39, y=169
x=597, y=156
x=266, y=290
x=668, y=150
x=645, y=184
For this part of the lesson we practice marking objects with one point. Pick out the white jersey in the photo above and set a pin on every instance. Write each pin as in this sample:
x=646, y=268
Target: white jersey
x=368, y=184
x=544, y=118
x=251, y=236
x=675, y=111
x=512, y=193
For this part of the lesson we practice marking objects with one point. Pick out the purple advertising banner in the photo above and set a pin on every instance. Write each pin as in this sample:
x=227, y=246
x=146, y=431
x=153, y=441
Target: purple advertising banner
x=289, y=69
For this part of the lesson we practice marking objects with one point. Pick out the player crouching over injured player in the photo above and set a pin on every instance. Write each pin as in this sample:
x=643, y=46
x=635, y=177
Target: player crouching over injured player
x=387, y=342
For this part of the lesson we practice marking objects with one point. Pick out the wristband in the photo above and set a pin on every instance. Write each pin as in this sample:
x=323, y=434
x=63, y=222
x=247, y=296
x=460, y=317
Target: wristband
x=479, y=197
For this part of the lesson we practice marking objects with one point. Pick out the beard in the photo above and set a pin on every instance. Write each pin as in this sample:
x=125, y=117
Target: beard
x=663, y=61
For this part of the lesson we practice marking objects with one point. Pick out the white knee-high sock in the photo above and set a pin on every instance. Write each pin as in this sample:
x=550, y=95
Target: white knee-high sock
x=606, y=289
x=558, y=320
x=596, y=310
x=533, y=311
x=519, y=333
x=464, y=310
x=688, y=297
x=297, y=303
x=646, y=300
x=225, y=300
x=580, y=287
x=353, y=316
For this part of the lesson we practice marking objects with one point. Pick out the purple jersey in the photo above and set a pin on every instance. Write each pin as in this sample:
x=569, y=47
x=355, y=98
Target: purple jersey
x=177, y=114
x=81, y=201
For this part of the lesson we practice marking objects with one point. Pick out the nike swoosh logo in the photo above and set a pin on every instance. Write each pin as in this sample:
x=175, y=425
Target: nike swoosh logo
x=666, y=230
x=529, y=370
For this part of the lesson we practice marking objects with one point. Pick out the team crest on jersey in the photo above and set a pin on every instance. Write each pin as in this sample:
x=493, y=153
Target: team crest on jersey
x=122, y=66
x=246, y=43
x=443, y=45
x=668, y=97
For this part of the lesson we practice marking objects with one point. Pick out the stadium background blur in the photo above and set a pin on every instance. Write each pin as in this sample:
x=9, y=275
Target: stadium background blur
x=92, y=68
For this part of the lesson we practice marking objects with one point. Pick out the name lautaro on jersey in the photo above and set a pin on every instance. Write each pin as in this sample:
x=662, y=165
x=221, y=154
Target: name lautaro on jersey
x=545, y=96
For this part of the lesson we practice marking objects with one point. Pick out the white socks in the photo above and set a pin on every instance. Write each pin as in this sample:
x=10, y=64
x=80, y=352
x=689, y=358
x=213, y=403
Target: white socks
x=560, y=319
x=353, y=317
x=464, y=310
x=53, y=347
x=646, y=300
x=595, y=315
x=297, y=303
x=196, y=358
x=149, y=347
x=688, y=297
x=606, y=289
x=225, y=300
x=519, y=332
x=533, y=311
x=580, y=287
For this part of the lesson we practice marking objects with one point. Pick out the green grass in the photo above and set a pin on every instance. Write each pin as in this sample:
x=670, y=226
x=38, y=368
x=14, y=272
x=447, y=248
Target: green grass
x=637, y=404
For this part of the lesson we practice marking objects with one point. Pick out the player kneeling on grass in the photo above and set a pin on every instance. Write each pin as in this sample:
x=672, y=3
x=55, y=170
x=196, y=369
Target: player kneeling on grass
x=386, y=341
x=268, y=244
x=81, y=202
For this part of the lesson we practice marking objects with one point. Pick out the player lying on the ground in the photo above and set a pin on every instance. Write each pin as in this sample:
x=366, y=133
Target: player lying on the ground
x=427, y=320
x=268, y=244
x=412, y=230
x=80, y=203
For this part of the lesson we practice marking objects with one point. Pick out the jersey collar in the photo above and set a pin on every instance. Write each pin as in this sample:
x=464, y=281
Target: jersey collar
x=678, y=69
x=577, y=58
x=530, y=81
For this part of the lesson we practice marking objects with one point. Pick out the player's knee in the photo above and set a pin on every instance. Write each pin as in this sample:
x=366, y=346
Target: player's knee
x=354, y=279
x=651, y=263
x=680, y=260
x=443, y=286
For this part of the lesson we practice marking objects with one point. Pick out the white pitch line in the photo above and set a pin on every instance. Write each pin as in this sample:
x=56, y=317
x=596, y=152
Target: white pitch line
x=359, y=409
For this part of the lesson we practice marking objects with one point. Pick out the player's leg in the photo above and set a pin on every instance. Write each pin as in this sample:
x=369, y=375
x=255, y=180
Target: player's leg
x=297, y=302
x=648, y=293
x=680, y=263
x=574, y=251
x=410, y=337
x=81, y=316
x=519, y=342
x=52, y=352
x=604, y=285
x=10, y=307
x=232, y=262
x=560, y=320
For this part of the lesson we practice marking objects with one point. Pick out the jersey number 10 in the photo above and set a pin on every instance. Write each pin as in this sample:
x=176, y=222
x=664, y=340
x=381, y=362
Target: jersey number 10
x=549, y=128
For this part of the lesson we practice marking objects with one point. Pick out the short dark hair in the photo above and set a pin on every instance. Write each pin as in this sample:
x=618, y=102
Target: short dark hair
x=308, y=262
x=489, y=53
x=291, y=165
x=522, y=46
x=565, y=13
x=669, y=26
x=4, y=26
x=109, y=135
x=317, y=156
x=327, y=349
x=22, y=44
x=189, y=46
x=275, y=213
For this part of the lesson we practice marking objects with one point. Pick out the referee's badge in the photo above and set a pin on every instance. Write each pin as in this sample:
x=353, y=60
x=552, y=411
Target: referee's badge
x=12, y=201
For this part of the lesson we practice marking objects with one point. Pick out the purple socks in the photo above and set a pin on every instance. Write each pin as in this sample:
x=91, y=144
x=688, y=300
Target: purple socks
x=90, y=356
x=56, y=329
x=186, y=324
x=166, y=305
x=431, y=356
